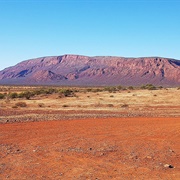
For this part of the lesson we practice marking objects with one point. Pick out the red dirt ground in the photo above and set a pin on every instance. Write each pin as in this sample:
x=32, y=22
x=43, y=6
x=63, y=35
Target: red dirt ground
x=97, y=149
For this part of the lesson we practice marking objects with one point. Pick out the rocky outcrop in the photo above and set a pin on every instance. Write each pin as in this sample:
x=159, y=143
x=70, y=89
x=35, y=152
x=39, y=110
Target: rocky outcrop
x=93, y=71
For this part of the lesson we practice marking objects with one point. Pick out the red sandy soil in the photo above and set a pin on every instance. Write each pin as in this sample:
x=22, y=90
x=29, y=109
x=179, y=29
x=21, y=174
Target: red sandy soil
x=97, y=149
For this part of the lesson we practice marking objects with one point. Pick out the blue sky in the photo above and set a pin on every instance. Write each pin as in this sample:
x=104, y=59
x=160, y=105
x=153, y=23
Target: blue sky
x=130, y=28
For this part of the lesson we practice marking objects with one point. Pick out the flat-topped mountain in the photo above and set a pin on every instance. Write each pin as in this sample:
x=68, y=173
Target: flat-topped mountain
x=79, y=70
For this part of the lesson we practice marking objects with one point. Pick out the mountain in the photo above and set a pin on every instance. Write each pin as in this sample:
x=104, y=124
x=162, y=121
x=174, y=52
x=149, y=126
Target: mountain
x=79, y=70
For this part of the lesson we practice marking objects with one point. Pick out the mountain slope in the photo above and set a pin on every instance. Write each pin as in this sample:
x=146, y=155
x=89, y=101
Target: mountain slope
x=100, y=70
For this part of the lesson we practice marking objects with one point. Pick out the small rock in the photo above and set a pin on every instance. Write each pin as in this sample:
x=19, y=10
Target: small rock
x=171, y=166
x=102, y=154
x=61, y=174
x=148, y=157
x=168, y=166
x=171, y=150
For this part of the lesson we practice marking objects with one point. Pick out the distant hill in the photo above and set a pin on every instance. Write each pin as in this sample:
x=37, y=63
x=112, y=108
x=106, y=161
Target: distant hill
x=79, y=70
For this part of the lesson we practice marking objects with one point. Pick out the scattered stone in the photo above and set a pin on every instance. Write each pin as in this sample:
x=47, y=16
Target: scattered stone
x=102, y=154
x=168, y=166
x=171, y=150
x=148, y=157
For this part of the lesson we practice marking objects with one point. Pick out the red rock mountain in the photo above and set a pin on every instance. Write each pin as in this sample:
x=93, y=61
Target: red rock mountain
x=93, y=71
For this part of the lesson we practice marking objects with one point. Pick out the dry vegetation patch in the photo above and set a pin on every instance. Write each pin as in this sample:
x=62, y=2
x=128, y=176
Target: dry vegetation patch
x=132, y=101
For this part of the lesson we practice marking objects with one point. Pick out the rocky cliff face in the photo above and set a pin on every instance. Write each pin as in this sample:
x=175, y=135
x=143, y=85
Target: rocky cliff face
x=93, y=71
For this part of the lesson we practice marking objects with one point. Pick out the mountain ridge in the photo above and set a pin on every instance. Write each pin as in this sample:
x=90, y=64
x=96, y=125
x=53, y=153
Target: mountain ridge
x=82, y=70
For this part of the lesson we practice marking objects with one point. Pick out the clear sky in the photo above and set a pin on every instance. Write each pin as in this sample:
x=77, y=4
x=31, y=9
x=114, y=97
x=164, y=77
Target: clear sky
x=130, y=28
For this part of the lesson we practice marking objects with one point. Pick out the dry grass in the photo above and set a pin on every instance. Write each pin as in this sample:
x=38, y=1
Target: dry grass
x=156, y=101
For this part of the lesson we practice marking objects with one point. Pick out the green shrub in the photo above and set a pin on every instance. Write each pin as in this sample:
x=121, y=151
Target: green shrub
x=66, y=93
x=51, y=91
x=96, y=90
x=45, y=91
x=149, y=87
x=89, y=89
x=26, y=94
x=110, y=89
x=119, y=87
x=13, y=95
x=143, y=87
x=39, y=91
x=130, y=87
x=2, y=96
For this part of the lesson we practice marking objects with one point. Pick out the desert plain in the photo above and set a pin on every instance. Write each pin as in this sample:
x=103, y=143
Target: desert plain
x=89, y=133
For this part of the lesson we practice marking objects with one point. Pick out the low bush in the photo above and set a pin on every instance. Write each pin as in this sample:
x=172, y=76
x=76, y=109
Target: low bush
x=110, y=89
x=149, y=87
x=97, y=90
x=110, y=105
x=65, y=105
x=66, y=93
x=26, y=94
x=51, y=91
x=89, y=89
x=21, y=104
x=119, y=87
x=39, y=91
x=2, y=96
x=13, y=95
x=130, y=87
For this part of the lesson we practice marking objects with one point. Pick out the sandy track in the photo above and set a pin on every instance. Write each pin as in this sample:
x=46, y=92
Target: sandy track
x=104, y=148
